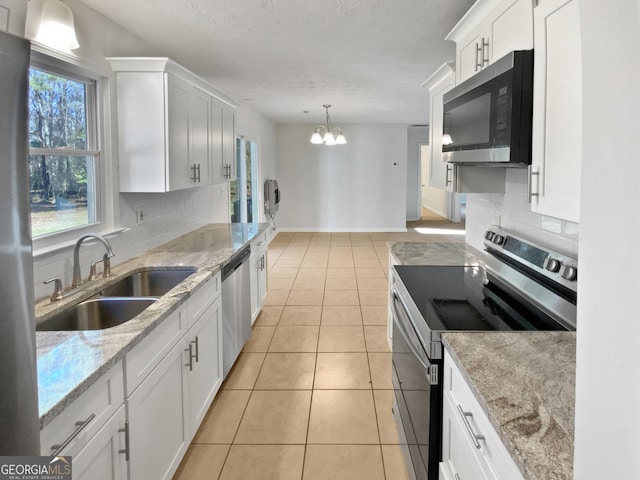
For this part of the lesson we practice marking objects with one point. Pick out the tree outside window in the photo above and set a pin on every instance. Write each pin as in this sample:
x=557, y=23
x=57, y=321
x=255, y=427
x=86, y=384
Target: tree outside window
x=62, y=154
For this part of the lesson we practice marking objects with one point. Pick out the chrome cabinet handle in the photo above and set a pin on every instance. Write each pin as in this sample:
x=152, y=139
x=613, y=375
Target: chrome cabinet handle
x=190, y=350
x=485, y=45
x=479, y=50
x=193, y=168
x=530, y=184
x=447, y=180
x=126, y=450
x=474, y=436
x=79, y=427
x=195, y=342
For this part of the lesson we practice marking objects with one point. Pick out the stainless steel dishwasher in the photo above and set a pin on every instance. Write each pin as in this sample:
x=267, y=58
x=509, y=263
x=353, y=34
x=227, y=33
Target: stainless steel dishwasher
x=236, y=307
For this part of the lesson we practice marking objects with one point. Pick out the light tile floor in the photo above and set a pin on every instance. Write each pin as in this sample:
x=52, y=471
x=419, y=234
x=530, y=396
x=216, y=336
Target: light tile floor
x=310, y=395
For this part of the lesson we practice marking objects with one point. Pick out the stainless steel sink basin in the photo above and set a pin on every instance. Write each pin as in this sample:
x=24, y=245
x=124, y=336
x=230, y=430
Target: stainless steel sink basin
x=96, y=314
x=152, y=283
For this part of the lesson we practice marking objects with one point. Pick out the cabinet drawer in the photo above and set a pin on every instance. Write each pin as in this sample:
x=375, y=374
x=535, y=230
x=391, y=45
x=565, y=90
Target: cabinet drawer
x=258, y=241
x=93, y=408
x=493, y=456
x=203, y=297
x=149, y=352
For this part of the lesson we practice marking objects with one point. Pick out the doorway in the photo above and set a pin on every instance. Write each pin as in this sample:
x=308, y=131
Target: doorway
x=243, y=191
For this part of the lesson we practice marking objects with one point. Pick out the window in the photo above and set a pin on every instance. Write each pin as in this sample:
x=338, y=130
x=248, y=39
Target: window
x=244, y=190
x=63, y=155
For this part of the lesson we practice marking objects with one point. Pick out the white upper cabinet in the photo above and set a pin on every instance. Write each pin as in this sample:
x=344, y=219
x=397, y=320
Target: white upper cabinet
x=557, y=110
x=490, y=30
x=440, y=173
x=223, y=143
x=168, y=131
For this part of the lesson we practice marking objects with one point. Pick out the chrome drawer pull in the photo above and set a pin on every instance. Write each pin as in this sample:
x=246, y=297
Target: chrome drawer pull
x=474, y=436
x=79, y=427
x=126, y=450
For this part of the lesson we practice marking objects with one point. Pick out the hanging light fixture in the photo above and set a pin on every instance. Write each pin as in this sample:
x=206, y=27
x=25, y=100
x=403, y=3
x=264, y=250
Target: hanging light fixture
x=57, y=29
x=328, y=134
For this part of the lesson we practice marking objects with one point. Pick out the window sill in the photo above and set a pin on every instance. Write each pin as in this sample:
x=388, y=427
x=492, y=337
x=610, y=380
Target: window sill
x=65, y=245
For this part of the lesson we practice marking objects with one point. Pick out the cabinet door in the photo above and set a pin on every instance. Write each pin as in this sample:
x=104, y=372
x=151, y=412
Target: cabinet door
x=229, y=143
x=262, y=276
x=217, y=153
x=158, y=422
x=512, y=29
x=205, y=376
x=441, y=174
x=458, y=451
x=557, y=110
x=254, y=273
x=101, y=459
x=200, y=129
x=470, y=56
x=178, y=134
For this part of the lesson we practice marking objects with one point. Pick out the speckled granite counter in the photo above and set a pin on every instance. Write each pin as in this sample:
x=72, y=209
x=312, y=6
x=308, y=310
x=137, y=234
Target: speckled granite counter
x=525, y=382
x=436, y=253
x=70, y=362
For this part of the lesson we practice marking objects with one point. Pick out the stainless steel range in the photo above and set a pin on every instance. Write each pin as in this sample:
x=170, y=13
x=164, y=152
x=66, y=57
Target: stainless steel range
x=522, y=286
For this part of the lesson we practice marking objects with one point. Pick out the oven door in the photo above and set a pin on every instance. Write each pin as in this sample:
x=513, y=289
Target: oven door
x=417, y=383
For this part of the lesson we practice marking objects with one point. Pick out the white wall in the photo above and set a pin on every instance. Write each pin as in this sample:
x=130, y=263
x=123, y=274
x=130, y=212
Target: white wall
x=168, y=215
x=511, y=211
x=360, y=186
x=415, y=136
x=608, y=368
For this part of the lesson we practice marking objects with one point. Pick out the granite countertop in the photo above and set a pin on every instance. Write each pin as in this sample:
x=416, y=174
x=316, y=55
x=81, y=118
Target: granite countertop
x=436, y=253
x=70, y=362
x=525, y=382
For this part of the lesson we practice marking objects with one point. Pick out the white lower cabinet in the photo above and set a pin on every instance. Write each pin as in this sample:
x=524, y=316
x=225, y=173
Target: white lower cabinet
x=205, y=375
x=169, y=404
x=104, y=457
x=258, y=276
x=158, y=424
x=172, y=377
x=471, y=448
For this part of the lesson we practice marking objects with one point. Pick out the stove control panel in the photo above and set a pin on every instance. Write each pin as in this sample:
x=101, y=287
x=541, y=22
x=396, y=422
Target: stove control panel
x=554, y=265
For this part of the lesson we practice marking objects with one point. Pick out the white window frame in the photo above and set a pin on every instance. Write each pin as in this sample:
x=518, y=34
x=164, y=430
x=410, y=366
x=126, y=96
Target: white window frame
x=97, y=118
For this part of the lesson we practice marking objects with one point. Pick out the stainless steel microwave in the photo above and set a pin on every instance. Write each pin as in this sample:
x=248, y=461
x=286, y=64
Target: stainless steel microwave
x=487, y=118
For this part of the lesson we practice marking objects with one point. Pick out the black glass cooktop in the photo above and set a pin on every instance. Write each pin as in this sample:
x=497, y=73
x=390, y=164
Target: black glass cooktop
x=460, y=298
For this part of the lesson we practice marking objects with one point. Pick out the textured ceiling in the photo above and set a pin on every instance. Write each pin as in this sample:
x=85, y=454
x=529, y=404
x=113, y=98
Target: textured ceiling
x=281, y=57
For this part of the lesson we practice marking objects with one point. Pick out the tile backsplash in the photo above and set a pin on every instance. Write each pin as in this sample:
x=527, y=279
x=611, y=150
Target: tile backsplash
x=167, y=216
x=512, y=211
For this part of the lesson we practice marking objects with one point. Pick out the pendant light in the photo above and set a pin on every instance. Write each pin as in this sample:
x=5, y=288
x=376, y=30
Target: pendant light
x=328, y=134
x=57, y=28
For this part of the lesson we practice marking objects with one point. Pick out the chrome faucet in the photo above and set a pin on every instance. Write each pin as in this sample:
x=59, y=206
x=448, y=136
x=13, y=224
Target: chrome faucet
x=77, y=275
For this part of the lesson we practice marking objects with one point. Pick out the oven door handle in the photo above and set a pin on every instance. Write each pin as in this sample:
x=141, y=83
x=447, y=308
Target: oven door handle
x=432, y=370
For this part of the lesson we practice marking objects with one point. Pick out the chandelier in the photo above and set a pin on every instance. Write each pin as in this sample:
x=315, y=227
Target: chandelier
x=328, y=134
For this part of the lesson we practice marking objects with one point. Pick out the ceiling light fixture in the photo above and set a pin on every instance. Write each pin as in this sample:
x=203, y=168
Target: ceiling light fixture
x=57, y=29
x=328, y=134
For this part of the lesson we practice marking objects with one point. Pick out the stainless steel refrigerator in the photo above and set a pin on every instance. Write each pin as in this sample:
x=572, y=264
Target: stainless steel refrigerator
x=19, y=420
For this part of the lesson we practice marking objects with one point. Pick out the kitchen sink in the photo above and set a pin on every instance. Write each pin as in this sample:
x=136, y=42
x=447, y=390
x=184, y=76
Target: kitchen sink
x=151, y=283
x=96, y=314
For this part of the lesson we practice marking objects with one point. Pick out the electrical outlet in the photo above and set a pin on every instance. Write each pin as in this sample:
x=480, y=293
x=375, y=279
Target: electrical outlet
x=141, y=216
